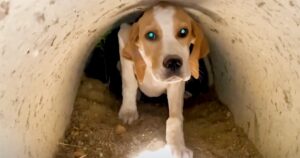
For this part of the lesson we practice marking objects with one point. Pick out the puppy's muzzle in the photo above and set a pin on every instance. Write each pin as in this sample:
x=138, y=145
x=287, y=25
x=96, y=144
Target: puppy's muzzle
x=172, y=63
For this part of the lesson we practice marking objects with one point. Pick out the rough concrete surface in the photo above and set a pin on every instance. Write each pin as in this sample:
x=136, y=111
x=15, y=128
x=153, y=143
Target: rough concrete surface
x=44, y=46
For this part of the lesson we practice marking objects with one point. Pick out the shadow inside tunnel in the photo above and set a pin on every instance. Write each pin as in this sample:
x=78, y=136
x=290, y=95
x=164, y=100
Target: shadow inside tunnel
x=103, y=65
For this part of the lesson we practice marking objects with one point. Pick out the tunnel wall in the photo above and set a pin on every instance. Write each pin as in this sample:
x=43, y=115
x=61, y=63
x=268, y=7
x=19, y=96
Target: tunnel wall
x=45, y=44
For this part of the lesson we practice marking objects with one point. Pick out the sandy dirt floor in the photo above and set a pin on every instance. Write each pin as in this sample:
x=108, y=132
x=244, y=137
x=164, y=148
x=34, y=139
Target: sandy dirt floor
x=95, y=130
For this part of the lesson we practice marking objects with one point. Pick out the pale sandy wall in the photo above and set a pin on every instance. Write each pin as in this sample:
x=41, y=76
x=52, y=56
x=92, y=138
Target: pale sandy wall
x=44, y=45
x=257, y=67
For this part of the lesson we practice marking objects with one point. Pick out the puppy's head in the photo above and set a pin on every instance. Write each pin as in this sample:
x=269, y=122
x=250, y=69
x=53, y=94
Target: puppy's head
x=161, y=40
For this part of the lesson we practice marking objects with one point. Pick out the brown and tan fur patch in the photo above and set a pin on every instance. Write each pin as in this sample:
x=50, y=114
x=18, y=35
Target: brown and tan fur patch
x=200, y=49
x=153, y=49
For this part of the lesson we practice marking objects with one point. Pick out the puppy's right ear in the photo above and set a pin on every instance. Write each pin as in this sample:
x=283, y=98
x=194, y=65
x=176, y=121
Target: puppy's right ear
x=130, y=45
x=131, y=52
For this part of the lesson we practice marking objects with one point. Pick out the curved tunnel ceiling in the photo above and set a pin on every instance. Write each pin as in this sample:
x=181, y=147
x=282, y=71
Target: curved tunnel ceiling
x=44, y=45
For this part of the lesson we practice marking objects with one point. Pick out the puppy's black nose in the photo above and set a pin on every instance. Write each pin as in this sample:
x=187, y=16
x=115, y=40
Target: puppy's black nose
x=172, y=63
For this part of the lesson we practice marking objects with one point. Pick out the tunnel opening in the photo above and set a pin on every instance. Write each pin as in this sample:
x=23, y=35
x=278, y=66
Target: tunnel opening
x=104, y=65
x=96, y=131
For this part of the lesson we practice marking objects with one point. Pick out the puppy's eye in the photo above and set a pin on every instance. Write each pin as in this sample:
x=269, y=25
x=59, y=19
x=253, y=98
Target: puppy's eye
x=183, y=32
x=151, y=36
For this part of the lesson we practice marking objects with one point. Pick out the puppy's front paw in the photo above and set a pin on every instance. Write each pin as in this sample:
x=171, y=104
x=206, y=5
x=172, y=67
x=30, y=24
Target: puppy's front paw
x=181, y=152
x=128, y=115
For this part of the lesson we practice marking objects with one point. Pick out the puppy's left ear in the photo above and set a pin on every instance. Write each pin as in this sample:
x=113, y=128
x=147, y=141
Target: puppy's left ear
x=200, y=49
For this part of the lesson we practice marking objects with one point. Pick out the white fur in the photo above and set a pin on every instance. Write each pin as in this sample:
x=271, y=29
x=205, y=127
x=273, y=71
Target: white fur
x=153, y=87
x=171, y=46
x=128, y=112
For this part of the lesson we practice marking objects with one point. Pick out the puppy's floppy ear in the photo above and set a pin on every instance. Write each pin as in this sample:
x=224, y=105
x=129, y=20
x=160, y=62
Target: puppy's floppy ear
x=131, y=52
x=200, y=49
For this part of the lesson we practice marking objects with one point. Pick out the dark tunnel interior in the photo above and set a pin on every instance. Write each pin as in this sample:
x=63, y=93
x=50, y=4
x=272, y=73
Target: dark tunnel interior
x=103, y=65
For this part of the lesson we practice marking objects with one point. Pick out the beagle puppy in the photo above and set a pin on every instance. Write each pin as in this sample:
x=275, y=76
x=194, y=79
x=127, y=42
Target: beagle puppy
x=155, y=57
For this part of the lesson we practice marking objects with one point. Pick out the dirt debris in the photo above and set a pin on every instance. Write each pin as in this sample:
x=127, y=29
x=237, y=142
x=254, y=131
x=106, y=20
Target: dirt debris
x=120, y=129
x=96, y=132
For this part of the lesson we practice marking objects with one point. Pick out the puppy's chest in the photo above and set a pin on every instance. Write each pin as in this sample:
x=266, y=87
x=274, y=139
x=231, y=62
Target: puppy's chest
x=152, y=87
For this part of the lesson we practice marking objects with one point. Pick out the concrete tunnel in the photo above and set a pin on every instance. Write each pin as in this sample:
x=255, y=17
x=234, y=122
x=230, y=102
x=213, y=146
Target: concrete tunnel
x=44, y=46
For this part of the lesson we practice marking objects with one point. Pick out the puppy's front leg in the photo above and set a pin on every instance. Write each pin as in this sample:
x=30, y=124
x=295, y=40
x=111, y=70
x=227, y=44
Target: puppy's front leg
x=174, y=131
x=128, y=112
